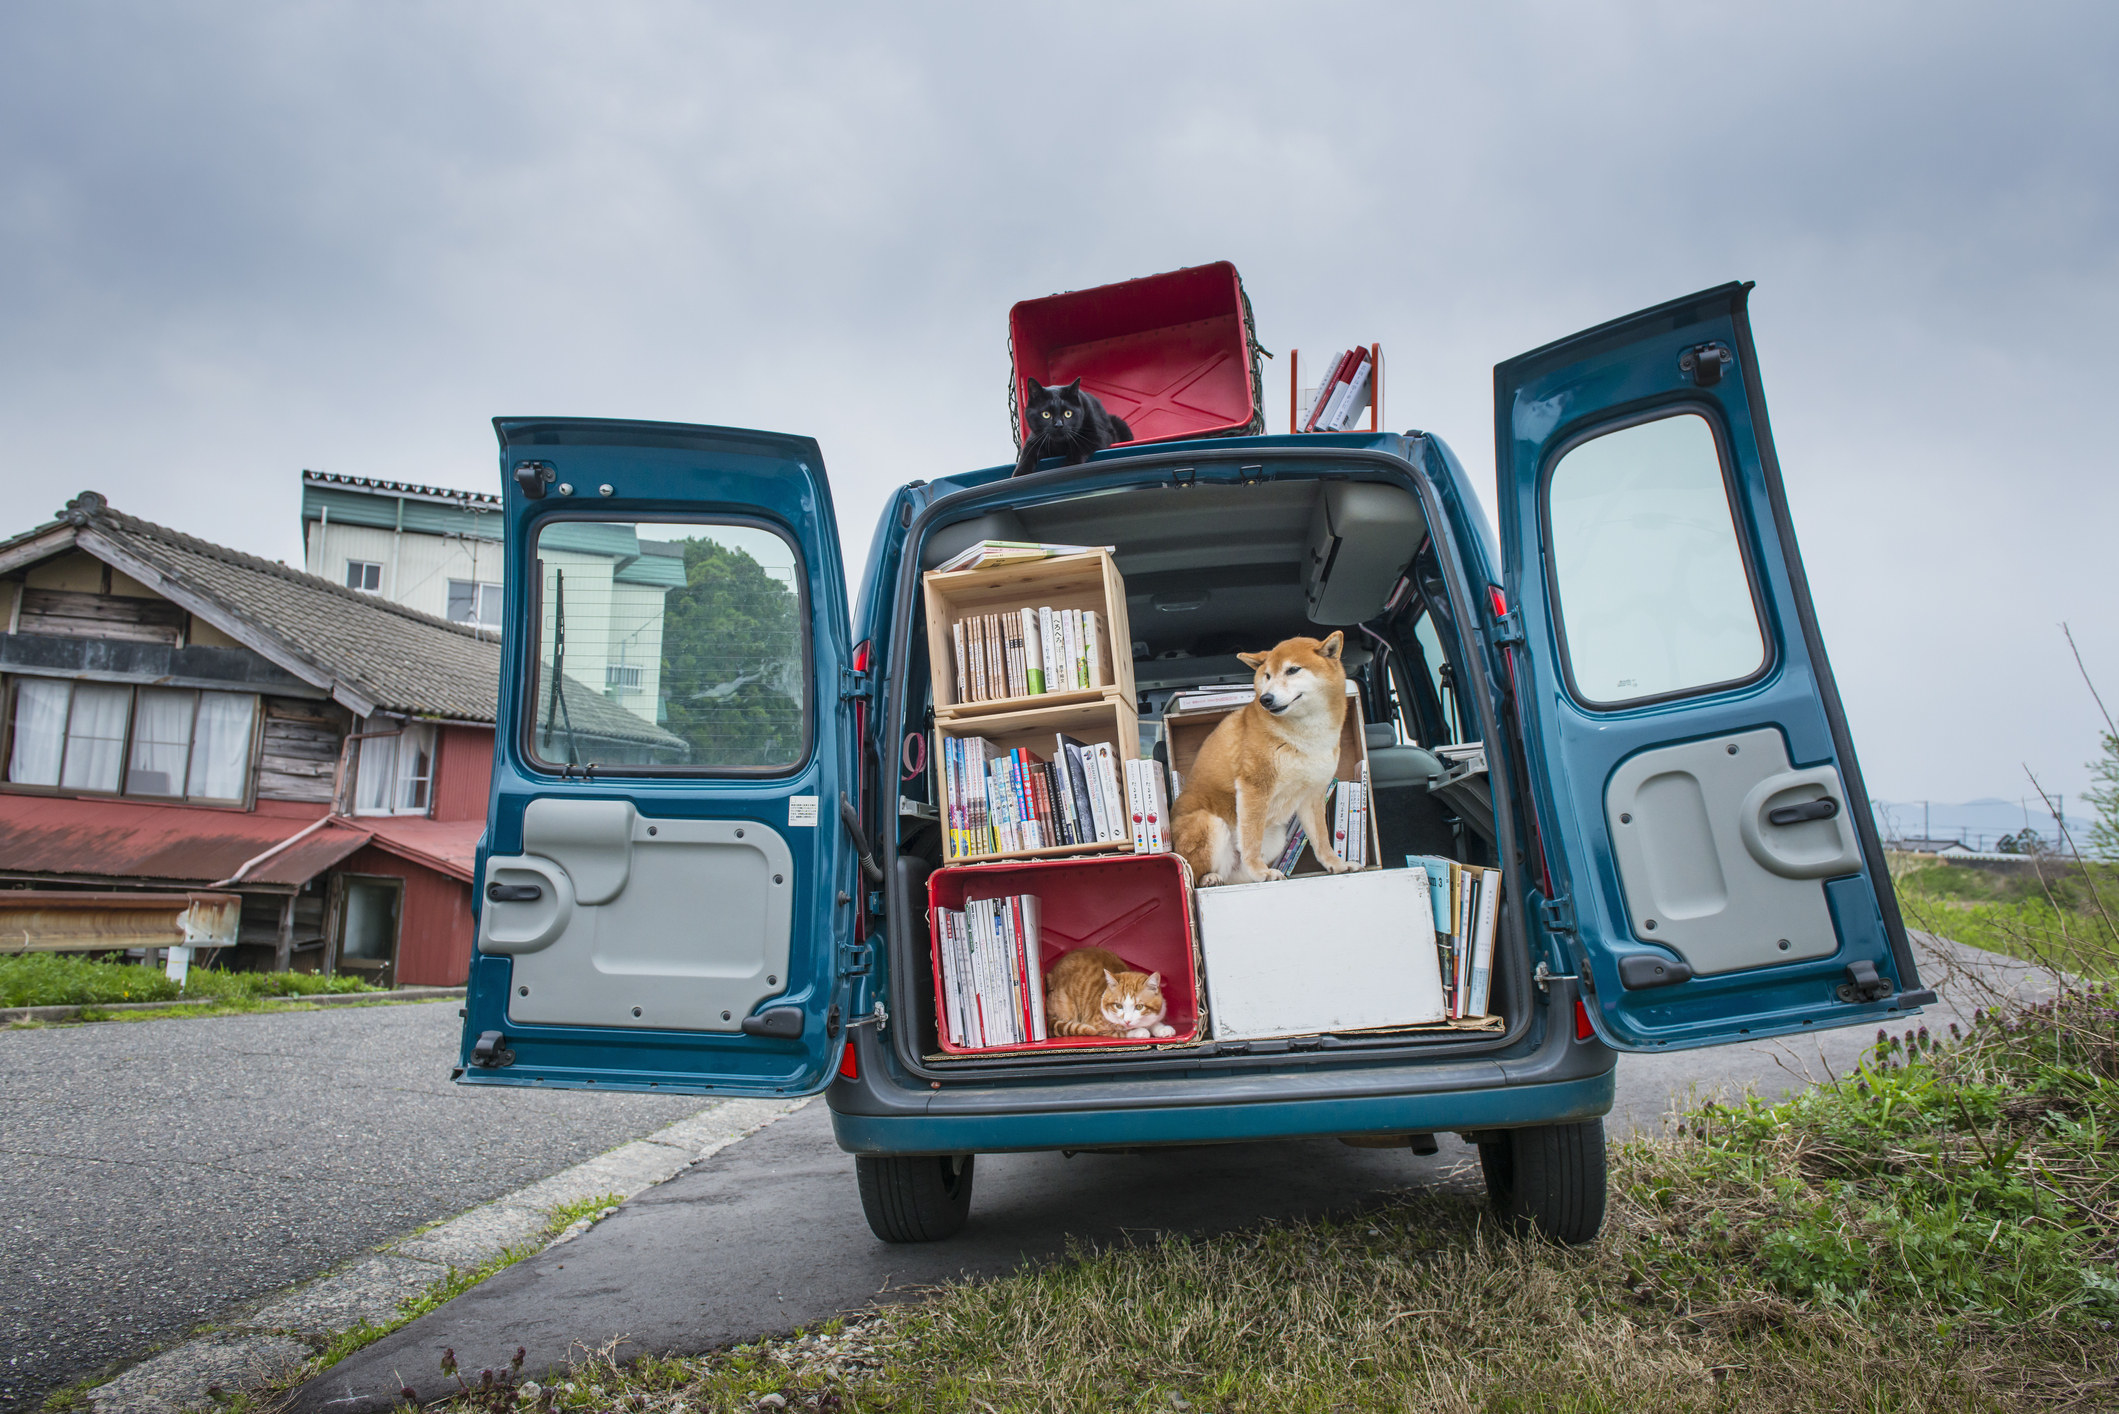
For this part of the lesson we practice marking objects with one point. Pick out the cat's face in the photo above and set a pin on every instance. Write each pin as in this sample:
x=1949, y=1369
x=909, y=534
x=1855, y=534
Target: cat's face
x=1133, y=1000
x=1056, y=410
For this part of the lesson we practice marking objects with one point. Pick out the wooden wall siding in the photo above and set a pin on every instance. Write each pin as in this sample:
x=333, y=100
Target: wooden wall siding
x=464, y=773
x=67, y=613
x=434, y=921
x=260, y=927
x=300, y=753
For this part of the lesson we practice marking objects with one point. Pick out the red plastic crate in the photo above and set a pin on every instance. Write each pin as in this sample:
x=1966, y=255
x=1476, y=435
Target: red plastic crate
x=1175, y=355
x=1137, y=905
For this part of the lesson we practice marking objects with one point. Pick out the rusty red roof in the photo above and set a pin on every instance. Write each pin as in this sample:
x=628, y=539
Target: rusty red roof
x=445, y=846
x=122, y=839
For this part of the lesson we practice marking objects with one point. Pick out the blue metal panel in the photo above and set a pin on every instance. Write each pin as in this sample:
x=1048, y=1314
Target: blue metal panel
x=1543, y=401
x=664, y=471
x=1501, y=1107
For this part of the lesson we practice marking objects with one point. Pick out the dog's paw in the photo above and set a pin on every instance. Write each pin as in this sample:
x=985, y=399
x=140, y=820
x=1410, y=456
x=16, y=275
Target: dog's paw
x=1337, y=865
x=1208, y=881
x=1163, y=1030
x=1271, y=874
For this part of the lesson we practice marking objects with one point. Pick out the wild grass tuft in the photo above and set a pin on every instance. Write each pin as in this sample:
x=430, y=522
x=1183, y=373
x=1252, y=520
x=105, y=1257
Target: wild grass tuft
x=2057, y=912
x=58, y=979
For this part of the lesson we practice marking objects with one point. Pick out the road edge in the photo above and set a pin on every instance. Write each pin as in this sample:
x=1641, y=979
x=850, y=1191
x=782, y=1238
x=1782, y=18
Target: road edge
x=277, y=1340
x=15, y=1015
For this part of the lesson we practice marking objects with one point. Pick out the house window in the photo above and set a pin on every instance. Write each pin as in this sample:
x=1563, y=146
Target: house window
x=395, y=773
x=364, y=575
x=621, y=677
x=474, y=603
x=154, y=742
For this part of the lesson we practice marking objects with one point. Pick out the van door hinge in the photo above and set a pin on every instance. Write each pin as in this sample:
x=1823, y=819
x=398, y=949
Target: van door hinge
x=1507, y=631
x=1705, y=364
x=1557, y=914
x=879, y=1018
x=853, y=684
x=1545, y=976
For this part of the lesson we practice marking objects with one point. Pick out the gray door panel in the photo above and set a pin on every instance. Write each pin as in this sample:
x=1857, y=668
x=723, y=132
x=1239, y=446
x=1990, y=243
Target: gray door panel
x=640, y=922
x=1705, y=870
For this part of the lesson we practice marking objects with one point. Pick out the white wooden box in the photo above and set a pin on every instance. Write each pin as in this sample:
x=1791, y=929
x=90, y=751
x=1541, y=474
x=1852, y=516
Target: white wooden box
x=1324, y=952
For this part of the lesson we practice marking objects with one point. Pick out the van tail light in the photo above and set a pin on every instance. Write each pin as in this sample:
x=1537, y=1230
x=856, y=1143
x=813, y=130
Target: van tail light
x=861, y=651
x=1499, y=600
x=848, y=1066
x=1583, y=1030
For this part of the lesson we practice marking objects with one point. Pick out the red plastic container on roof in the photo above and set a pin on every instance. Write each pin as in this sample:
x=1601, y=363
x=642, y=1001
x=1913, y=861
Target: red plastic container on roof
x=1175, y=355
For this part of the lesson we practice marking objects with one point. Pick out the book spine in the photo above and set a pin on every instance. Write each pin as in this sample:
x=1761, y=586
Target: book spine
x=1071, y=645
x=1033, y=948
x=1092, y=653
x=953, y=839
x=1033, y=654
x=945, y=972
x=1063, y=799
x=1048, y=641
x=963, y=676
x=1339, y=818
x=997, y=804
x=1159, y=807
x=1019, y=955
x=996, y=664
x=1114, y=797
x=1085, y=803
x=974, y=685
x=1136, y=807
x=1483, y=943
x=1357, y=395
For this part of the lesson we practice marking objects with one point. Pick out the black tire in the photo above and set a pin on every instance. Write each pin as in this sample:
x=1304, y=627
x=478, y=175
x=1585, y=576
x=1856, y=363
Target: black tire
x=924, y=1198
x=1548, y=1180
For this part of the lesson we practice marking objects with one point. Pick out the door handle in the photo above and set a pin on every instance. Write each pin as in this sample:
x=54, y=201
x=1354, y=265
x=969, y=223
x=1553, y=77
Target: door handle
x=524, y=893
x=1823, y=809
x=1800, y=854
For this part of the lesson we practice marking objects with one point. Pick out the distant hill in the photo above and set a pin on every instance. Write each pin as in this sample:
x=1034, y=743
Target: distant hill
x=1979, y=823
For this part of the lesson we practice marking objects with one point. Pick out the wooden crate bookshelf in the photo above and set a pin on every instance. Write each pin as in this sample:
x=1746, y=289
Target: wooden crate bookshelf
x=1086, y=581
x=1101, y=719
x=1185, y=733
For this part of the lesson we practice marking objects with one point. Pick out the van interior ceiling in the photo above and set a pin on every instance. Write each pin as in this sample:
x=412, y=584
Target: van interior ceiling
x=1211, y=571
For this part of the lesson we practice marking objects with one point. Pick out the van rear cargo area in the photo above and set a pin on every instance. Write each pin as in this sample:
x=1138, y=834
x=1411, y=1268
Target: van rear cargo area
x=1195, y=574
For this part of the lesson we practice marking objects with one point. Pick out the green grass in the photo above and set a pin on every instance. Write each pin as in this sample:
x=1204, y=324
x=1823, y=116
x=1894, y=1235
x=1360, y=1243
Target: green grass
x=57, y=979
x=1937, y=1231
x=2059, y=914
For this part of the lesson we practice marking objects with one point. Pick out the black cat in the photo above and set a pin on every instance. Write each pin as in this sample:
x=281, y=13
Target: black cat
x=1066, y=422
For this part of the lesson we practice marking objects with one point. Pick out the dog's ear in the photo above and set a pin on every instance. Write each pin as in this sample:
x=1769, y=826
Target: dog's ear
x=1251, y=660
x=1332, y=644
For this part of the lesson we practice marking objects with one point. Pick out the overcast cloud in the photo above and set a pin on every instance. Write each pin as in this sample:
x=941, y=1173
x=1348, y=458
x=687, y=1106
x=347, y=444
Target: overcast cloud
x=238, y=240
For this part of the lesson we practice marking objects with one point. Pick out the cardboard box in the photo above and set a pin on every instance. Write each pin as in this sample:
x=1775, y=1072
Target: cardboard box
x=1321, y=953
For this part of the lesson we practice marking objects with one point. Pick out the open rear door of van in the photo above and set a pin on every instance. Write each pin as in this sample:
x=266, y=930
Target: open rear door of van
x=1715, y=867
x=667, y=889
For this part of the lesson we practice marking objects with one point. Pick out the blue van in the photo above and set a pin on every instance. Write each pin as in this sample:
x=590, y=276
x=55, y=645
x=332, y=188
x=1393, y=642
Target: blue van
x=711, y=826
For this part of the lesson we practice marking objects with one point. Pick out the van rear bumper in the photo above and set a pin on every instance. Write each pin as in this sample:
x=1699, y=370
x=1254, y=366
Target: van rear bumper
x=1503, y=1108
x=1559, y=1080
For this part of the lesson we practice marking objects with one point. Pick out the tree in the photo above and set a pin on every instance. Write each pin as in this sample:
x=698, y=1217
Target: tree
x=2104, y=798
x=732, y=656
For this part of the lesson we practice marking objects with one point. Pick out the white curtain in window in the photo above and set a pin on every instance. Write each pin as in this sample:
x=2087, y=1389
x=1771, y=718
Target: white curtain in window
x=375, y=774
x=415, y=769
x=40, y=732
x=161, y=741
x=220, y=746
x=95, y=736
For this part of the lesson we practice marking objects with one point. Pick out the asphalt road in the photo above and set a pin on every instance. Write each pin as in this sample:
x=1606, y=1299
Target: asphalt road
x=768, y=1234
x=157, y=1173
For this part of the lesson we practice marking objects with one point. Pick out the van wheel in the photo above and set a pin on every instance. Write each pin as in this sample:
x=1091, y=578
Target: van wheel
x=1548, y=1180
x=923, y=1198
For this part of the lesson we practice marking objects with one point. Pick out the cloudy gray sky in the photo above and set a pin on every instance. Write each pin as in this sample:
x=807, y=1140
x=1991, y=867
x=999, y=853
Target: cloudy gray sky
x=237, y=240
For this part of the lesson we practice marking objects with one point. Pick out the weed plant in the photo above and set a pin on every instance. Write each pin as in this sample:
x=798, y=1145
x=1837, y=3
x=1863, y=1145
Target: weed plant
x=56, y=979
x=1935, y=1231
x=2058, y=913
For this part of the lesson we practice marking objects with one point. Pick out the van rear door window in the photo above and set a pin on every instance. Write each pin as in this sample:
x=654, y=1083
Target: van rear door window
x=669, y=649
x=1650, y=583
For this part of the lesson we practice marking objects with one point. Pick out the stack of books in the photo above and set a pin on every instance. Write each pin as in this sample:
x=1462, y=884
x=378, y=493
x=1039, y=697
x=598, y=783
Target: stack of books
x=1148, y=803
x=1343, y=394
x=1350, y=819
x=988, y=553
x=1467, y=900
x=1209, y=699
x=1009, y=802
x=1027, y=653
x=993, y=979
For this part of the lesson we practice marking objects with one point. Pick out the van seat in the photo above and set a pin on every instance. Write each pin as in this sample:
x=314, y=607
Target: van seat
x=1395, y=767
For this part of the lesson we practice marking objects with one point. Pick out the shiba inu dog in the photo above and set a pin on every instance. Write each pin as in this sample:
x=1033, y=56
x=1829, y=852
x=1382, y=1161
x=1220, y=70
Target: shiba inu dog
x=1266, y=766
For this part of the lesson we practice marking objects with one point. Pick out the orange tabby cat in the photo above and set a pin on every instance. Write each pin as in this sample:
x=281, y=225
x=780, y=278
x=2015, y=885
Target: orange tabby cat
x=1091, y=992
